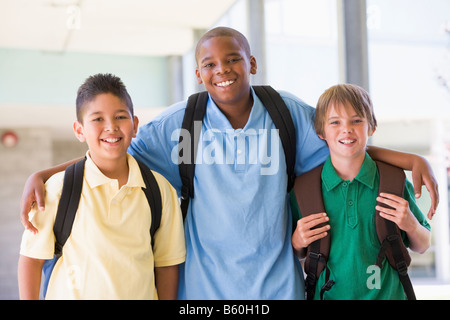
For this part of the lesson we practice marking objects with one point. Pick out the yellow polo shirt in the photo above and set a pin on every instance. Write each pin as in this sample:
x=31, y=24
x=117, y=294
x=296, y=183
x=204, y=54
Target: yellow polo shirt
x=108, y=254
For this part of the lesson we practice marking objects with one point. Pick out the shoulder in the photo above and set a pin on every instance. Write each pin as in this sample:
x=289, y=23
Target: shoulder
x=172, y=116
x=302, y=113
x=294, y=102
x=164, y=186
x=53, y=187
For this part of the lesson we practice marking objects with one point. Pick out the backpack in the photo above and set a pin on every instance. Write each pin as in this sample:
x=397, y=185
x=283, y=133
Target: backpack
x=195, y=111
x=308, y=194
x=68, y=206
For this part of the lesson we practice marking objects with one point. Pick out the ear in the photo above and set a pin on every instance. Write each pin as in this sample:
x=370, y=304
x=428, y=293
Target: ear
x=136, y=126
x=371, y=133
x=321, y=137
x=79, y=131
x=253, y=65
x=197, y=74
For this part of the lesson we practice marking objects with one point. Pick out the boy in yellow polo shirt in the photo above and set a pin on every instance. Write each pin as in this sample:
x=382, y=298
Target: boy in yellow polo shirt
x=350, y=180
x=109, y=253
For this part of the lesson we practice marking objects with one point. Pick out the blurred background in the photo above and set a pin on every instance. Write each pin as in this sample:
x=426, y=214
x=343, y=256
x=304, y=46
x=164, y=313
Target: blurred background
x=399, y=50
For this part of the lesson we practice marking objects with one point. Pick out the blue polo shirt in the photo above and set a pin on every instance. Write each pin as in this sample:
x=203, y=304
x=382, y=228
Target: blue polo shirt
x=238, y=225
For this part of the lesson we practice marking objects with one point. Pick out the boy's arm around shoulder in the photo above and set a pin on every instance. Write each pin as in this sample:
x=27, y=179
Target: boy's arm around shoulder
x=408, y=217
x=311, y=150
x=422, y=174
x=34, y=192
x=156, y=143
x=419, y=238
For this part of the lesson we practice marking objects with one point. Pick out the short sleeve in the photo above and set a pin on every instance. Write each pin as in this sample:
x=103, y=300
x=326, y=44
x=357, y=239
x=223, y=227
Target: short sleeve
x=169, y=245
x=42, y=244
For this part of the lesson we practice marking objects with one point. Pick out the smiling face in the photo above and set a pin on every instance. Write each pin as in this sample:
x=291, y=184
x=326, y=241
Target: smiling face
x=224, y=67
x=345, y=132
x=107, y=126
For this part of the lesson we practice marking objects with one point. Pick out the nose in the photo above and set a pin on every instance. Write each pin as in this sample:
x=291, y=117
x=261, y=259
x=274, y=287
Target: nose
x=347, y=128
x=222, y=68
x=111, y=125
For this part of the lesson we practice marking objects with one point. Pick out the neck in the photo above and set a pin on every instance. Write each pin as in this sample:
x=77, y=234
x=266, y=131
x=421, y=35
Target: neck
x=237, y=111
x=114, y=168
x=347, y=168
x=238, y=117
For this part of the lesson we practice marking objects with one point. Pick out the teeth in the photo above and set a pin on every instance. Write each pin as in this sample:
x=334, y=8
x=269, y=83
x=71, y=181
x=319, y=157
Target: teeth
x=347, y=141
x=225, y=83
x=112, y=140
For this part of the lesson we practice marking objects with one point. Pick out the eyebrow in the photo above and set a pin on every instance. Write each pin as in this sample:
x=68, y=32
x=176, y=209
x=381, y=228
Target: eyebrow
x=101, y=112
x=228, y=55
x=338, y=117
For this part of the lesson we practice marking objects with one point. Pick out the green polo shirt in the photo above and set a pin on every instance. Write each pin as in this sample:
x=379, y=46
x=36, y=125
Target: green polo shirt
x=350, y=205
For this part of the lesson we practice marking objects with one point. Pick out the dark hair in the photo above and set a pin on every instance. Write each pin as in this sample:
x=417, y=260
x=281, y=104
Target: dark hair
x=223, y=32
x=98, y=84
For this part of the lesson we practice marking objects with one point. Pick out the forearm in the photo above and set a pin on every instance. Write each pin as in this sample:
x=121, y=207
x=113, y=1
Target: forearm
x=397, y=158
x=419, y=239
x=166, y=281
x=29, y=276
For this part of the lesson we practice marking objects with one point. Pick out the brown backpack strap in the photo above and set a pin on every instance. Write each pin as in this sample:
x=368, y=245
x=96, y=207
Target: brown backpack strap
x=308, y=193
x=392, y=180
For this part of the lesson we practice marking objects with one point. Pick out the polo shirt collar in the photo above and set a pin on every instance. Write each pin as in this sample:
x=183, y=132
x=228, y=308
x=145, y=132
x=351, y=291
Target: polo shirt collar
x=215, y=119
x=366, y=174
x=94, y=177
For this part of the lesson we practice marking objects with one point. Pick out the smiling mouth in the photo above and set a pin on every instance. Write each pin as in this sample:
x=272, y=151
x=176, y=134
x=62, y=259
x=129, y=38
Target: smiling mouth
x=111, y=140
x=347, y=141
x=225, y=83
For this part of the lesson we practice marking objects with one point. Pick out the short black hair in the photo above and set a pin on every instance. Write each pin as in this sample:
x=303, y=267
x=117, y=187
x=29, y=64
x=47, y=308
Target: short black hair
x=98, y=84
x=224, y=32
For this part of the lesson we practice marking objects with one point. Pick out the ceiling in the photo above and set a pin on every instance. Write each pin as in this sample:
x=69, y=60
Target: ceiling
x=124, y=27
x=130, y=27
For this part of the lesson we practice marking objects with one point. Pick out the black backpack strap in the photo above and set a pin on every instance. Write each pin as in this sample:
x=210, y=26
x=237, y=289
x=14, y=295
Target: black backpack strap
x=282, y=119
x=153, y=195
x=68, y=203
x=195, y=111
x=392, y=180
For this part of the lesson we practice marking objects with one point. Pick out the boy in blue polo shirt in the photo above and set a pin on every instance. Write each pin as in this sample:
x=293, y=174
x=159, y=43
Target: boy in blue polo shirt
x=237, y=228
x=350, y=180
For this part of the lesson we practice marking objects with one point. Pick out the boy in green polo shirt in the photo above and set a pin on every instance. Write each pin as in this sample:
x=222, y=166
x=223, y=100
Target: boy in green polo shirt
x=350, y=180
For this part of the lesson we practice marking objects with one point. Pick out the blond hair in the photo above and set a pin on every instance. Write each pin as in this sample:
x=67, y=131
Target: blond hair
x=356, y=96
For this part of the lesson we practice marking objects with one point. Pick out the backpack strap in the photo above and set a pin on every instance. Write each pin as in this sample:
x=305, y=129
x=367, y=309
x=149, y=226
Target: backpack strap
x=68, y=203
x=282, y=119
x=195, y=111
x=392, y=180
x=308, y=193
x=153, y=195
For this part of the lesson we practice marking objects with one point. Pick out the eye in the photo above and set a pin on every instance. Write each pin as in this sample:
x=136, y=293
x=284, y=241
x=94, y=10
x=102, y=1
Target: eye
x=208, y=65
x=233, y=60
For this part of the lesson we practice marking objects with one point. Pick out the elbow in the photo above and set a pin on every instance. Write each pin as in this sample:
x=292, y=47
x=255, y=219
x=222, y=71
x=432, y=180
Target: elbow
x=422, y=248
